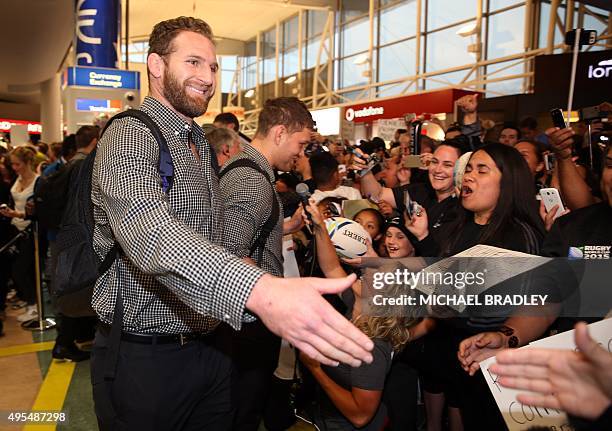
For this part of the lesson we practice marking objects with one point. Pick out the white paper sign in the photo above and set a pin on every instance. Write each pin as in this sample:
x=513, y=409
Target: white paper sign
x=519, y=417
x=290, y=266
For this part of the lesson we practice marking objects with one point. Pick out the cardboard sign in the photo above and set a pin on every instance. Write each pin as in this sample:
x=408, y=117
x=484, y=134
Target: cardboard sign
x=520, y=417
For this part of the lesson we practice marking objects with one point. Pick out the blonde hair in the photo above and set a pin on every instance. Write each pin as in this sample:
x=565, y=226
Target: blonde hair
x=25, y=154
x=392, y=323
x=394, y=329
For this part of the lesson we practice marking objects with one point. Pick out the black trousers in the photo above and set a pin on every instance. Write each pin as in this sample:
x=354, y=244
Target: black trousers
x=162, y=387
x=255, y=353
x=70, y=329
x=24, y=277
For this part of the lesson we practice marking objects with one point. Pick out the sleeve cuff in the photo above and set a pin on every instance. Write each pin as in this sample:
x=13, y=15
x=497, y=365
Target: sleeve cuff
x=236, y=281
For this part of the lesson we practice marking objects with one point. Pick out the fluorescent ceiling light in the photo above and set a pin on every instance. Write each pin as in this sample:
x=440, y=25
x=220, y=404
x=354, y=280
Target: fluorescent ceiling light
x=291, y=79
x=249, y=93
x=468, y=30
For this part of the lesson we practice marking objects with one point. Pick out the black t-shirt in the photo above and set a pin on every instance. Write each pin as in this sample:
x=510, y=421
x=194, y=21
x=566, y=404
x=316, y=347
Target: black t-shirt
x=584, y=237
x=367, y=376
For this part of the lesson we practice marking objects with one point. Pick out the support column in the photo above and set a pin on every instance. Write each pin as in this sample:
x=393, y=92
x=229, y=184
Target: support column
x=50, y=110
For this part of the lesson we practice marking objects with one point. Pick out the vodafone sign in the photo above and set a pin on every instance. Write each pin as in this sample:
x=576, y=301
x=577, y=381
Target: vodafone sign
x=33, y=126
x=351, y=113
x=434, y=101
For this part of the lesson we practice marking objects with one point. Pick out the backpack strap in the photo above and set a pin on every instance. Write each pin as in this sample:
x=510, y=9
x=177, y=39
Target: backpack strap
x=166, y=169
x=260, y=242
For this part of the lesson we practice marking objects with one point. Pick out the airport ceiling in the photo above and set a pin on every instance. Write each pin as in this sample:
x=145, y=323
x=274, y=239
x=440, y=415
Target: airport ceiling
x=37, y=34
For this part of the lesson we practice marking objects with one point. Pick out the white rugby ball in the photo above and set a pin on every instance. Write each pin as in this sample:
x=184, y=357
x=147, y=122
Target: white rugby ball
x=348, y=237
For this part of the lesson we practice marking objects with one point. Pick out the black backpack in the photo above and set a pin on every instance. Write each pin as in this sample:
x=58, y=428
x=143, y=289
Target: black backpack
x=77, y=266
x=260, y=242
x=50, y=195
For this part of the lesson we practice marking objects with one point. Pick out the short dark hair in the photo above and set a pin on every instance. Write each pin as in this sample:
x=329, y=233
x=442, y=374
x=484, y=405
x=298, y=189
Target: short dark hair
x=290, y=112
x=85, y=135
x=323, y=166
x=511, y=126
x=227, y=118
x=536, y=146
x=69, y=146
x=164, y=32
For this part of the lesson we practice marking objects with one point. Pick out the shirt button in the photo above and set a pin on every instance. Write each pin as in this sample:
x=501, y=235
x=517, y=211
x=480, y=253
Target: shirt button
x=226, y=317
x=186, y=126
x=176, y=132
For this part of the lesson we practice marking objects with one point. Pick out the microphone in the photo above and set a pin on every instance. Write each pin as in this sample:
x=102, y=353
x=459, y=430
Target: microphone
x=304, y=193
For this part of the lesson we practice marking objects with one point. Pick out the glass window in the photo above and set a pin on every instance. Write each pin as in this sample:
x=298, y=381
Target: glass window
x=290, y=32
x=506, y=33
x=356, y=37
x=392, y=89
x=500, y=4
x=316, y=22
x=398, y=22
x=544, y=18
x=445, y=79
x=397, y=60
x=290, y=62
x=592, y=23
x=227, y=80
x=447, y=49
x=441, y=13
x=353, y=8
x=503, y=88
x=312, y=49
x=269, y=70
x=250, y=76
x=269, y=43
x=351, y=73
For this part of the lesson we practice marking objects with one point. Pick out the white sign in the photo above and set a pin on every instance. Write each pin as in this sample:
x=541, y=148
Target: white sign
x=520, y=417
x=602, y=71
x=351, y=114
x=327, y=121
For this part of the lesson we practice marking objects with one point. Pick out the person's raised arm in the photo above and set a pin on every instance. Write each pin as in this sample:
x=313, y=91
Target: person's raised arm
x=369, y=186
x=574, y=189
x=326, y=252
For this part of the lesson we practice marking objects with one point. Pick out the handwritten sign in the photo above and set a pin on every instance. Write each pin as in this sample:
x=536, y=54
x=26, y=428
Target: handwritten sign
x=520, y=417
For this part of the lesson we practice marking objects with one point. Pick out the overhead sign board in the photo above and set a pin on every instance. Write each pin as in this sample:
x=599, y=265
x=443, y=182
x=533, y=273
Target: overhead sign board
x=102, y=78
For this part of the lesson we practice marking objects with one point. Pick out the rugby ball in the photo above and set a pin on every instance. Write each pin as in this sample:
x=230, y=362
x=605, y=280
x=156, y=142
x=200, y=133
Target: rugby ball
x=348, y=237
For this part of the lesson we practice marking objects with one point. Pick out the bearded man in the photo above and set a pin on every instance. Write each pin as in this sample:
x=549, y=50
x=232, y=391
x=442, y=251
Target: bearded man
x=172, y=283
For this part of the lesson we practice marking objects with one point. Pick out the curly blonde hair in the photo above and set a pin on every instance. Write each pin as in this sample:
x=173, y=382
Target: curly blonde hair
x=394, y=329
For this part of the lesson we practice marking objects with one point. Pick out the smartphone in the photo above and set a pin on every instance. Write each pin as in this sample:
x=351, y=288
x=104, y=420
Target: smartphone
x=413, y=161
x=558, y=119
x=549, y=162
x=551, y=197
x=412, y=207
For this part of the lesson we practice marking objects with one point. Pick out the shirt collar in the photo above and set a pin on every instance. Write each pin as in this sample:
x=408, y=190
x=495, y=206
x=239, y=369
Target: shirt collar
x=169, y=118
x=259, y=158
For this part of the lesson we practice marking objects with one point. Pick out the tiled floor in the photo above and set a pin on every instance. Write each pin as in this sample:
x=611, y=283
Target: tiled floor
x=26, y=381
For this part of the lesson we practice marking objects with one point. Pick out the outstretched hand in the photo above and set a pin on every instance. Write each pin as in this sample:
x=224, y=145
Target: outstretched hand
x=294, y=309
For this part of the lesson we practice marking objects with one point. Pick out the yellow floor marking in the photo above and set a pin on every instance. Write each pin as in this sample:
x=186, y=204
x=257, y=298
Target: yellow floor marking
x=52, y=392
x=26, y=348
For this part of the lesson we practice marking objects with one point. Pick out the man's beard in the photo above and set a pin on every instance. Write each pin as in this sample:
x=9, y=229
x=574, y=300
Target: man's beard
x=176, y=94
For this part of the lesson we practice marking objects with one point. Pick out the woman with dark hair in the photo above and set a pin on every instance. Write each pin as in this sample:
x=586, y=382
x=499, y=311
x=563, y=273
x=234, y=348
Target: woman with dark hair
x=498, y=208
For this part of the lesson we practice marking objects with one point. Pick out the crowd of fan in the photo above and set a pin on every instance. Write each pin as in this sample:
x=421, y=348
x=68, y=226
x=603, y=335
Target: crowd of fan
x=478, y=186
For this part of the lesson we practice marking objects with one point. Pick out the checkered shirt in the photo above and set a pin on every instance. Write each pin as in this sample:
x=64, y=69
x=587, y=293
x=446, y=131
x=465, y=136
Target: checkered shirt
x=247, y=198
x=173, y=273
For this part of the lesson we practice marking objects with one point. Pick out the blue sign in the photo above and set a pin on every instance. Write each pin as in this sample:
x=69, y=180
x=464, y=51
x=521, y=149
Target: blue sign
x=97, y=31
x=98, y=105
x=103, y=78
